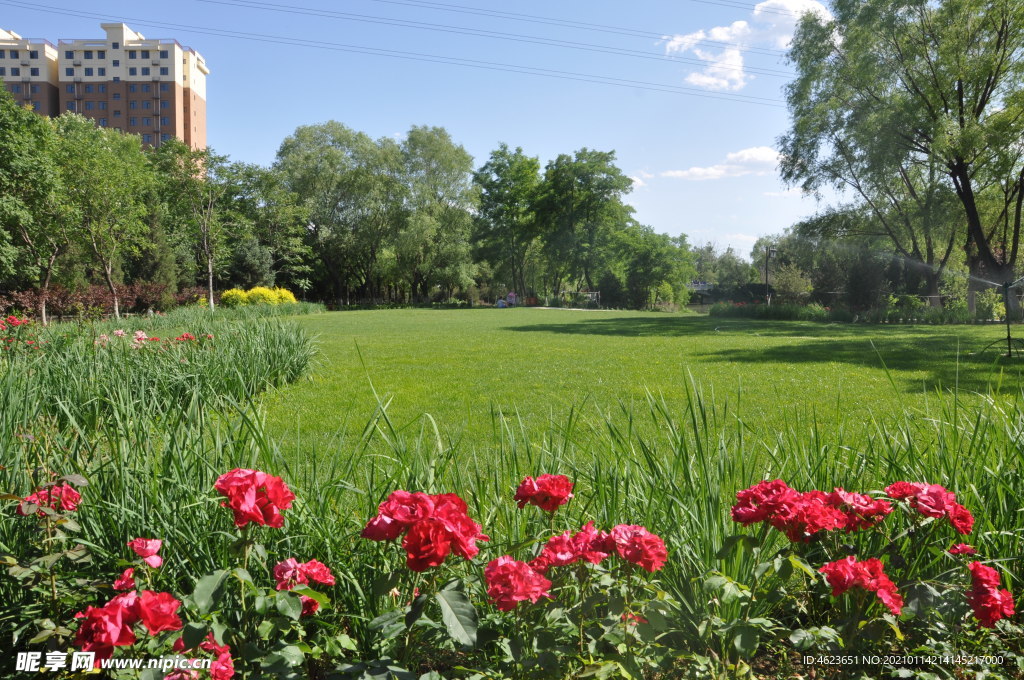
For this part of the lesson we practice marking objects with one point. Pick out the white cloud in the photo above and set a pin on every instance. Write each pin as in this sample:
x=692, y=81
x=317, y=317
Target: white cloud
x=756, y=160
x=645, y=175
x=795, y=192
x=771, y=24
x=638, y=182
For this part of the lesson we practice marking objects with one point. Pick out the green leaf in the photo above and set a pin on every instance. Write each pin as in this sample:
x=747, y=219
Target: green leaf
x=802, y=640
x=458, y=615
x=77, y=480
x=289, y=605
x=798, y=562
x=728, y=545
x=242, y=575
x=193, y=633
x=745, y=641
x=415, y=610
x=207, y=590
x=322, y=598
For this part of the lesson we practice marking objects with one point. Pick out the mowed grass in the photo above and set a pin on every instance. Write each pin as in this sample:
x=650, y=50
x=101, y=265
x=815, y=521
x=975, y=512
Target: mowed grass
x=536, y=367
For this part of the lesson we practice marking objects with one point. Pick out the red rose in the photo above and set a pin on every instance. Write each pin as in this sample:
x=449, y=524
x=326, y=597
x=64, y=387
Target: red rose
x=592, y=545
x=934, y=501
x=158, y=611
x=762, y=501
x=463, y=531
x=962, y=549
x=558, y=552
x=309, y=605
x=125, y=580
x=426, y=545
x=510, y=582
x=870, y=575
x=147, y=549
x=106, y=627
x=988, y=601
x=290, y=573
x=222, y=668
x=61, y=497
x=255, y=496
x=547, y=492
x=961, y=519
x=637, y=545
x=861, y=511
x=903, y=490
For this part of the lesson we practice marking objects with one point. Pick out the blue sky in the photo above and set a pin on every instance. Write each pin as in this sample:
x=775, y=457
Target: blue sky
x=694, y=118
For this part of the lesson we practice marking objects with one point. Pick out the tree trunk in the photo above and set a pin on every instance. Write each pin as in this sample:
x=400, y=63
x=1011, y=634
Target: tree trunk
x=209, y=280
x=109, y=276
x=932, y=280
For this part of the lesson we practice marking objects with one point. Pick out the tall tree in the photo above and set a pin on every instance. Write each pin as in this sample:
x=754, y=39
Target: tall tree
x=106, y=176
x=894, y=89
x=195, y=189
x=579, y=209
x=507, y=224
x=33, y=205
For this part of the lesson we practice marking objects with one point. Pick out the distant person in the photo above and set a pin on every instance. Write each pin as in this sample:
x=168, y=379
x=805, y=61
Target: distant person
x=512, y=299
x=501, y=303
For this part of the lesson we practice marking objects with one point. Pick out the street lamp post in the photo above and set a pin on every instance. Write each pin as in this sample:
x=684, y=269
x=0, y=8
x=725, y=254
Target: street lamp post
x=769, y=252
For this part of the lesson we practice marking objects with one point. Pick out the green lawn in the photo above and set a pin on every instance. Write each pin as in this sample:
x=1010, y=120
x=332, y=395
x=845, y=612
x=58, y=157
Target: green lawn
x=460, y=366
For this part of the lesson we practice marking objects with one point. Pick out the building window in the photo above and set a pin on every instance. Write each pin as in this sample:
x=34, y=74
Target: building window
x=15, y=71
x=145, y=70
x=100, y=54
x=164, y=71
x=147, y=139
x=165, y=121
x=133, y=71
x=164, y=104
x=146, y=122
x=164, y=87
x=88, y=54
x=88, y=106
x=33, y=54
x=115, y=46
x=35, y=89
x=103, y=106
x=117, y=79
x=102, y=71
x=35, y=106
x=70, y=89
x=16, y=89
x=131, y=88
x=2, y=54
x=69, y=71
x=88, y=88
x=117, y=62
x=164, y=137
x=117, y=114
x=71, y=106
x=131, y=54
x=33, y=71
x=133, y=121
x=164, y=54
x=103, y=122
x=145, y=54
x=14, y=54
x=88, y=71
x=101, y=88
x=147, y=104
x=116, y=95
x=3, y=71
x=145, y=87
x=133, y=105
x=69, y=54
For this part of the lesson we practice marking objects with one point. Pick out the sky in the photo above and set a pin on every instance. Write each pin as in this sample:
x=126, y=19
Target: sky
x=688, y=93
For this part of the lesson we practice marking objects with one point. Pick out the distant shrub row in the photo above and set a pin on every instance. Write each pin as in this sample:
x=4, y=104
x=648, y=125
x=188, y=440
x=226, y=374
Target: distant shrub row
x=814, y=312
x=236, y=297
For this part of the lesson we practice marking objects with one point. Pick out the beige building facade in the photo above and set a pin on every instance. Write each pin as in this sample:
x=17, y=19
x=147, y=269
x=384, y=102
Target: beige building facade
x=148, y=87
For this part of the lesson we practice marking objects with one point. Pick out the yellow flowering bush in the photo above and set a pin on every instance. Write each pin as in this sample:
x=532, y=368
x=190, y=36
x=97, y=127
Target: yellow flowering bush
x=235, y=297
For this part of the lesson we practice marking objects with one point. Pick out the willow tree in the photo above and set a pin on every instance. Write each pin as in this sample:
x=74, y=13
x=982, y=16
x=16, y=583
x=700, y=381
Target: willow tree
x=889, y=92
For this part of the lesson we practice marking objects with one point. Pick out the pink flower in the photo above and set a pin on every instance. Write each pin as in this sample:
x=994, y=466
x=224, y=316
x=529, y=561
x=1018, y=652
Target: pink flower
x=255, y=496
x=989, y=602
x=119, y=333
x=547, y=492
x=125, y=580
x=510, y=582
x=848, y=573
x=636, y=544
x=61, y=497
x=962, y=549
x=147, y=549
x=934, y=500
x=290, y=573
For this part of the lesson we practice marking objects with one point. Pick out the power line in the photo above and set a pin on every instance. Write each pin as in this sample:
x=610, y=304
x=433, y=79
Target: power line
x=500, y=35
x=567, y=23
x=750, y=8
x=414, y=56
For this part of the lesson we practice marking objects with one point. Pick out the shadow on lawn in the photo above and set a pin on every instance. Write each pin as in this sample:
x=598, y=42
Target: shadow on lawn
x=934, y=351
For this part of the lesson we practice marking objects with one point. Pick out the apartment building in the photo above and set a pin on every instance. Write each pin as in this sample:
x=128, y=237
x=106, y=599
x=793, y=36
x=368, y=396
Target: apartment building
x=28, y=68
x=149, y=87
